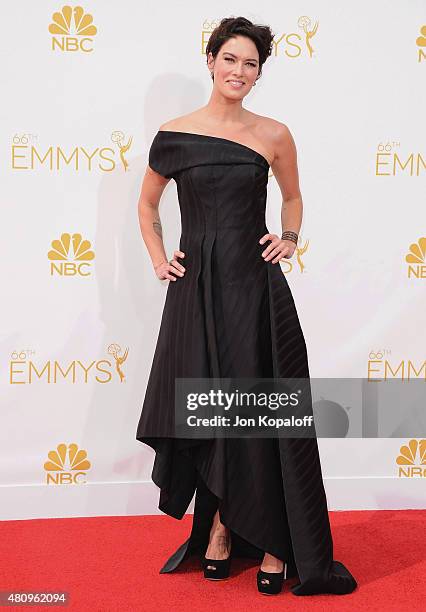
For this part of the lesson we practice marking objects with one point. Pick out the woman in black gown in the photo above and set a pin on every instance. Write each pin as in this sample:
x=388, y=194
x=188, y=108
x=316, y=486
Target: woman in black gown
x=229, y=312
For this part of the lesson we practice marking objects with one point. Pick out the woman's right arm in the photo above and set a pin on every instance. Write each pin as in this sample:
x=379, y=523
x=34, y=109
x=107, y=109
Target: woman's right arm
x=153, y=186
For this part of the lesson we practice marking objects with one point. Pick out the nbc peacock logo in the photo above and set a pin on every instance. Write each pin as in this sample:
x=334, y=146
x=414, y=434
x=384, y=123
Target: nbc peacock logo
x=416, y=259
x=70, y=256
x=67, y=465
x=72, y=30
x=421, y=43
x=412, y=459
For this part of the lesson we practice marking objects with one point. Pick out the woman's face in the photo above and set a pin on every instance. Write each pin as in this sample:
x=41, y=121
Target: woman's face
x=235, y=67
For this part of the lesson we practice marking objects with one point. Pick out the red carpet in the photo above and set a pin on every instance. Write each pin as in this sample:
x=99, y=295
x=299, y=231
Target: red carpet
x=112, y=563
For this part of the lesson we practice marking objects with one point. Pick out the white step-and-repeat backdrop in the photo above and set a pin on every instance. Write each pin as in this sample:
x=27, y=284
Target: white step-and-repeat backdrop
x=84, y=90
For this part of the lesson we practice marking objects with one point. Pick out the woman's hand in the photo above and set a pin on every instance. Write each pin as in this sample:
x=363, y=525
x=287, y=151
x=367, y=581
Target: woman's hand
x=278, y=249
x=166, y=269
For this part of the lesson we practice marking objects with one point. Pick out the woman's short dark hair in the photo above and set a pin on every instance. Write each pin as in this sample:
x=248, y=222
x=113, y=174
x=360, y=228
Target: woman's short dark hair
x=229, y=27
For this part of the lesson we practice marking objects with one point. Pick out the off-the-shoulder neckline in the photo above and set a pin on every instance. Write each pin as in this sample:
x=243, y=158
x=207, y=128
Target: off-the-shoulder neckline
x=217, y=138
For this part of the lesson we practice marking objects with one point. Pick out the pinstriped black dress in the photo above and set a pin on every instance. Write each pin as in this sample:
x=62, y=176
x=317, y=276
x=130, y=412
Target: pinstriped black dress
x=232, y=315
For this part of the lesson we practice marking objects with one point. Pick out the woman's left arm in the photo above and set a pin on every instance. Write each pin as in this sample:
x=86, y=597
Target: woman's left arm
x=284, y=167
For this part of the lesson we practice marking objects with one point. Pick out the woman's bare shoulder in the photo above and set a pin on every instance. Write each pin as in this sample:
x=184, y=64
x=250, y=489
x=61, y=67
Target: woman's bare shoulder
x=272, y=133
x=272, y=129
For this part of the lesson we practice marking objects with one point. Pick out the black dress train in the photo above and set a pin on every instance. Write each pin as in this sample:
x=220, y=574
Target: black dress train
x=232, y=315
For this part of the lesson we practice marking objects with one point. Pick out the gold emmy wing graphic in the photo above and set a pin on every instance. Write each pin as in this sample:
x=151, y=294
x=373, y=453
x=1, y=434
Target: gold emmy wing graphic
x=114, y=350
x=305, y=23
x=117, y=137
x=299, y=252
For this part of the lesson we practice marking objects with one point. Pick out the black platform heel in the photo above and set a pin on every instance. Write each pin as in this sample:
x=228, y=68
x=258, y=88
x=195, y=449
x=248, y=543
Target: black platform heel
x=270, y=583
x=216, y=569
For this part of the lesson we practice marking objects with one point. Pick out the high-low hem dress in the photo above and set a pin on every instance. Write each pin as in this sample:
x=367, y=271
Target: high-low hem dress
x=232, y=314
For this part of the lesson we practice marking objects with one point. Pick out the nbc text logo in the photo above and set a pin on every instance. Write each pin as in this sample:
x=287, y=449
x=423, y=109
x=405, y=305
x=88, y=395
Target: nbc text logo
x=60, y=256
x=72, y=30
x=66, y=465
x=412, y=459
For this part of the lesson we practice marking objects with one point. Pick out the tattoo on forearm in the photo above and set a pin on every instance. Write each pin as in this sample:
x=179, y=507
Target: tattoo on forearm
x=157, y=228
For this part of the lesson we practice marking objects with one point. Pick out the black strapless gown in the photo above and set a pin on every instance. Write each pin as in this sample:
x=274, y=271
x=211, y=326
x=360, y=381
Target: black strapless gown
x=232, y=315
